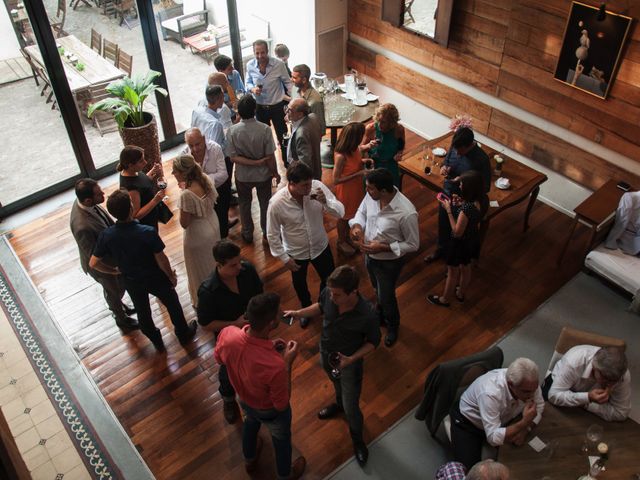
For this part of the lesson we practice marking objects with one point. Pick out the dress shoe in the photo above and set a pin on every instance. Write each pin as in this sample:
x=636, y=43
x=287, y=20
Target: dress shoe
x=230, y=411
x=330, y=411
x=189, y=334
x=127, y=323
x=158, y=344
x=297, y=468
x=233, y=222
x=361, y=453
x=233, y=201
x=437, y=255
x=251, y=465
x=391, y=337
x=304, y=322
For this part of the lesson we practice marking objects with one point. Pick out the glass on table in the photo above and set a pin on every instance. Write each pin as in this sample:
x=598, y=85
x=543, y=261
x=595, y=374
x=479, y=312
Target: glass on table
x=594, y=434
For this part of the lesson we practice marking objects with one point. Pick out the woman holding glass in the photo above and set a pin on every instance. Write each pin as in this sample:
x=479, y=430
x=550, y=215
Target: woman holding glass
x=348, y=172
x=388, y=136
x=198, y=219
x=145, y=194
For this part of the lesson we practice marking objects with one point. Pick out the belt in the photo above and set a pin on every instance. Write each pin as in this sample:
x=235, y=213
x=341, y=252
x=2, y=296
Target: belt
x=269, y=107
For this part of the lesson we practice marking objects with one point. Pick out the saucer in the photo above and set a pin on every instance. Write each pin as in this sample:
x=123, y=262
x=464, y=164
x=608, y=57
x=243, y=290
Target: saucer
x=360, y=104
x=371, y=97
x=502, y=185
x=439, y=152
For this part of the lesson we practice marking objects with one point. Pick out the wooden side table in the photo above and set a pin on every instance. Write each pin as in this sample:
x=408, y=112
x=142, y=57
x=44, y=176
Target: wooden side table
x=596, y=212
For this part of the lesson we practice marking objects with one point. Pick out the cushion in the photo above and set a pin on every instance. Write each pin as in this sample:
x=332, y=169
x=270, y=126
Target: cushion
x=615, y=266
x=187, y=23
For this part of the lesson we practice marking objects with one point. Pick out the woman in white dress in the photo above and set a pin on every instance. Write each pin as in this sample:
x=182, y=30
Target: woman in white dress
x=199, y=220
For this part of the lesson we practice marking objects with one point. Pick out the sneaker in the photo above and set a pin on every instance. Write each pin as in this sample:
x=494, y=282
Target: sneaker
x=435, y=299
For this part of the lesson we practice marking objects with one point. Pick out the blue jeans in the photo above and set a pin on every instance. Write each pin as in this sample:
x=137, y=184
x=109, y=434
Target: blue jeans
x=384, y=276
x=279, y=425
x=348, y=388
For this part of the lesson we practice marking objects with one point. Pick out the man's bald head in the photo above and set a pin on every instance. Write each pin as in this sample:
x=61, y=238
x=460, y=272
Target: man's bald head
x=192, y=134
x=488, y=470
x=218, y=78
x=299, y=105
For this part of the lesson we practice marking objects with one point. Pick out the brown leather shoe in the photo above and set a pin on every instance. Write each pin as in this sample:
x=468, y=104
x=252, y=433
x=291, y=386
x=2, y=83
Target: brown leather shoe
x=230, y=411
x=251, y=465
x=297, y=468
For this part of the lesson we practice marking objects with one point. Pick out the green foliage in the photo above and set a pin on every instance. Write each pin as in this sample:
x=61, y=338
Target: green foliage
x=128, y=98
x=80, y=66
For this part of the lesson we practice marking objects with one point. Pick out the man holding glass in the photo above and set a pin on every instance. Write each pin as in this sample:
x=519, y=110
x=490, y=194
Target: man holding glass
x=300, y=78
x=268, y=80
x=350, y=330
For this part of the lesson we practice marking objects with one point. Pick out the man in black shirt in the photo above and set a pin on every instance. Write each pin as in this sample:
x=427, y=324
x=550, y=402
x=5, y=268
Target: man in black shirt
x=222, y=301
x=350, y=330
x=138, y=252
x=464, y=155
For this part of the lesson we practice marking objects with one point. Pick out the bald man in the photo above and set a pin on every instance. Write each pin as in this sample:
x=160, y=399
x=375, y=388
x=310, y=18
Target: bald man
x=306, y=135
x=210, y=157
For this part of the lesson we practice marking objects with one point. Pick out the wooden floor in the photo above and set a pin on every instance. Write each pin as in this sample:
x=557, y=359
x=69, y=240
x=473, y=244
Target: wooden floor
x=169, y=403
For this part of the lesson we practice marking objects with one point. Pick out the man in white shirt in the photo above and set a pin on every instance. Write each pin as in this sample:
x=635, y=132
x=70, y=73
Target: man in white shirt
x=295, y=229
x=386, y=229
x=625, y=233
x=594, y=378
x=210, y=157
x=489, y=405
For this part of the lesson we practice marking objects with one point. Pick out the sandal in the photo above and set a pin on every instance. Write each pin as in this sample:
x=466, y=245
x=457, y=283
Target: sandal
x=459, y=297
x=435, y=299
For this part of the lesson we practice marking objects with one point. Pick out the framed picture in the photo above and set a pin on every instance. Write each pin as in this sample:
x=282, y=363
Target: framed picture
x=591, y=49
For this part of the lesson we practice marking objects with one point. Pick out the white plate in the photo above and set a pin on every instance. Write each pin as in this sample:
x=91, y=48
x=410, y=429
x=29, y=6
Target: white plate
x=507, y=187
x=371, y=97
x=439, y=152
x=360, y=104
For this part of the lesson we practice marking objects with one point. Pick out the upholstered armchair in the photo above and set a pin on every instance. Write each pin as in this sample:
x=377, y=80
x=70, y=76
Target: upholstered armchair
x=184, y=20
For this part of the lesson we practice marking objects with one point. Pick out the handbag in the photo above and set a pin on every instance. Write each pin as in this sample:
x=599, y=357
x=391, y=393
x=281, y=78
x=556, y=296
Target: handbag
x=164, y=213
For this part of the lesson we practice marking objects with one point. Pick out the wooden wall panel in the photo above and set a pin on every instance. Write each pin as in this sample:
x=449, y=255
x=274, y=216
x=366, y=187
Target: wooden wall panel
x=509, y=49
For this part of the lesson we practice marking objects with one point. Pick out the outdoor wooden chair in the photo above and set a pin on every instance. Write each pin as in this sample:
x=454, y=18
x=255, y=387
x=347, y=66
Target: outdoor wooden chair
x=110, y=51
x=61, y=14
x=32, y=65
x=103, y=121
x=184, y=20
x=125, y=62
x=46, y=85
x=96, y=41
x=125, y=8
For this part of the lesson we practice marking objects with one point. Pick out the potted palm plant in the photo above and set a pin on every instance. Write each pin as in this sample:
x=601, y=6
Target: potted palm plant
x=136, y=126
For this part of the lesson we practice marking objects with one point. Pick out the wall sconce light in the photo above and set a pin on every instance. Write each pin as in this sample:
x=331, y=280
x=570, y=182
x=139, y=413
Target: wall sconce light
x=602, y=12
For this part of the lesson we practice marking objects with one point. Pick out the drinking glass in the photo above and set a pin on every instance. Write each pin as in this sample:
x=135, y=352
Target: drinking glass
x=162, y=183
x=334, y=363
x=594, y=434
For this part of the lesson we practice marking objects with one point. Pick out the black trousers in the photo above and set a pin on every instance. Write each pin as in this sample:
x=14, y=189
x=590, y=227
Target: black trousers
x=444, y=232
x=546, y=386
x=222, y=207
x=227, y=392
x=275, y=115
x=466, y=439
x=323, y=265
x=160, y=287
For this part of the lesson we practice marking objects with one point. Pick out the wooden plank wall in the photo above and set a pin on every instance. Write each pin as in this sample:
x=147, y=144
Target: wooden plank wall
x=509, y=49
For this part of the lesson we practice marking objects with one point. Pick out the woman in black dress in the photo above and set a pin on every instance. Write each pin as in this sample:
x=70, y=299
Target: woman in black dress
x=145, y=195
x=465, y=214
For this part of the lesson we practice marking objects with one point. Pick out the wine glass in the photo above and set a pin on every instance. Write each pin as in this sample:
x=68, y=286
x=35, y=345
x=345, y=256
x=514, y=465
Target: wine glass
x=594, y=434
x=334, y=363
x=162, y=183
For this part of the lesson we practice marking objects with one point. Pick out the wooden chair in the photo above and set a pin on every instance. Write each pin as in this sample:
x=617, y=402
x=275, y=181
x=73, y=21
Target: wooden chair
x=570, y=337
x=125, y=62
x=103, y=121
x=46, y=86
x=32, y=65
x=124, y=8
x=110, y=51
x=96, y=41
x=61, y=14
x=184, y=20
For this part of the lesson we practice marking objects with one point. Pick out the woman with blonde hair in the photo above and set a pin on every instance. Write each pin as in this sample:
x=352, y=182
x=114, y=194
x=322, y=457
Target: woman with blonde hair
x=348, y=173
x=145, y=195
x=197, y=217
x=387, y=136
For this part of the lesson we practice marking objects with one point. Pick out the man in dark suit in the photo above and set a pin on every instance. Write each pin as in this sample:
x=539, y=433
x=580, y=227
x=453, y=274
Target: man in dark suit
x=87, y=221
x=306, y=135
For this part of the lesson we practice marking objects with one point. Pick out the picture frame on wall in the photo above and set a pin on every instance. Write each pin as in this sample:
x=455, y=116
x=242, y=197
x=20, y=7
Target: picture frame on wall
x=592, y=49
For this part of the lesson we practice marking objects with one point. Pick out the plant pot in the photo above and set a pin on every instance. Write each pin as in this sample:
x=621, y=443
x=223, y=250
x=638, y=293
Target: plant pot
x=145, y=137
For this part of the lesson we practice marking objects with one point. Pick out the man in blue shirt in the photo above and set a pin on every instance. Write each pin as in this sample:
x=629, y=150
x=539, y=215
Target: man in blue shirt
x=464, y=155
x=207, y=118
x=268, y=81
x=138, y=252
x=224, y=65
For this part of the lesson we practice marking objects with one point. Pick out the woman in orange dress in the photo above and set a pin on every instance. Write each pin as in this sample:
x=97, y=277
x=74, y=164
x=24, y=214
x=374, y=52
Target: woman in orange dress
x=348, y=172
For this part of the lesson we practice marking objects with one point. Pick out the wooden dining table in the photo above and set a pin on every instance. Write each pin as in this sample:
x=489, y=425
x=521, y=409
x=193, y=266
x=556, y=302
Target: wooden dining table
x=565, y=429
x=97, y=69
x=524, y=181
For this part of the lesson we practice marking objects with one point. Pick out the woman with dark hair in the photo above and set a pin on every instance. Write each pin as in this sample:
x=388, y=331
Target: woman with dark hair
x=388, y=140
x=199, y=220
x=464, y=213
x=348, y=171
x=145, y=195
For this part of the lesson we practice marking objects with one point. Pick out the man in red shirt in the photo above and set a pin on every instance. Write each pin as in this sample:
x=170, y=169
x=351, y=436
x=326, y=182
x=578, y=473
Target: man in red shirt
x=261, y=376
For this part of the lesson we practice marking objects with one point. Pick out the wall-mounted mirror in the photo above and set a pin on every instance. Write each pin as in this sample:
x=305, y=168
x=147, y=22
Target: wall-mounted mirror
x=430, y=18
